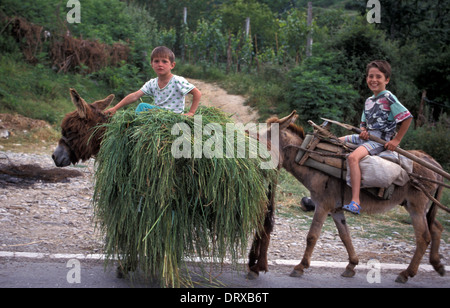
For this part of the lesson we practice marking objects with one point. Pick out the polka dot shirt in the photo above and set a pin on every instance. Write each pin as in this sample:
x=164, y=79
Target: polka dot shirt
x=170, y=97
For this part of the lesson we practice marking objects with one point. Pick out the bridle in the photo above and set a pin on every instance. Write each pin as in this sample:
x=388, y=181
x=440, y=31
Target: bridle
x=67, y=138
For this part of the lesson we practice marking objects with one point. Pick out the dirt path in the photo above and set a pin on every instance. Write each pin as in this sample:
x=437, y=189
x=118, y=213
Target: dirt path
x=213, y=95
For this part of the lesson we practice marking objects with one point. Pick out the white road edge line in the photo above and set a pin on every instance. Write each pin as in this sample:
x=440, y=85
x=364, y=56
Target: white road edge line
x=39, y=255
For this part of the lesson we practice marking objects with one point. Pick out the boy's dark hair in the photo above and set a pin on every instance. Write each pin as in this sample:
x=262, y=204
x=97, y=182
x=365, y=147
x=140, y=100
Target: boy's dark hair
x=382, y=65
x=162, y=52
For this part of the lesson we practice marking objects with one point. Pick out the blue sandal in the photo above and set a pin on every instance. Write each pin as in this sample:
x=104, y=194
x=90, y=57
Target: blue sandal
x=353, y=207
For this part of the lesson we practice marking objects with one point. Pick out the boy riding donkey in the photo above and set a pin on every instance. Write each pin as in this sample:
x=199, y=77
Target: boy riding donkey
x=168, y=90
x=382, y=113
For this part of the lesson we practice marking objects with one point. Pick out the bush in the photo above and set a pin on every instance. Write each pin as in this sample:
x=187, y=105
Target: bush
x=359, y=43
x=202, y=70
x=121, y=80
x=316, y=89
x=434, y=140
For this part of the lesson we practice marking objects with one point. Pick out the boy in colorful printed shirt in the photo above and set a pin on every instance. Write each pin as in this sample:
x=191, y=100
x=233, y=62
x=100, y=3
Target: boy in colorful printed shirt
x=382, y=113
x=168, y=90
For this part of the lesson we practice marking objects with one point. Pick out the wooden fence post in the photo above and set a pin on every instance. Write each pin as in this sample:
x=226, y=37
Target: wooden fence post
x=309, y=40
x=229, y=59
x=420, y=117
x=247, y=26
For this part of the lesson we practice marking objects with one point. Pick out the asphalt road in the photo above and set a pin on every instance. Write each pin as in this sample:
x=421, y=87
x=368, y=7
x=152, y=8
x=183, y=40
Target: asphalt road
x=74, y=273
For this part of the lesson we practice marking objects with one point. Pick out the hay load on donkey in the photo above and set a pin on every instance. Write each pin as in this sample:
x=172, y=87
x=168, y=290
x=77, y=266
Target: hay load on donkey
x=161, y=196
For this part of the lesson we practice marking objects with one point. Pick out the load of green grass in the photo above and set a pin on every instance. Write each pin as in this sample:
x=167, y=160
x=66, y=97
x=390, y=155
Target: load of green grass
x=155, y=210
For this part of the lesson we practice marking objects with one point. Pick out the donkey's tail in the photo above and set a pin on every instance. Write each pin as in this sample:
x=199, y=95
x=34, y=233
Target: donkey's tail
x=431, y=214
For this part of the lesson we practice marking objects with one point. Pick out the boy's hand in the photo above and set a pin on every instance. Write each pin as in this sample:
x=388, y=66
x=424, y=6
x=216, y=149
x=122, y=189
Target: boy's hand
x=364, y=135
x=195, y=101
x=392, y=145
x=111, y=111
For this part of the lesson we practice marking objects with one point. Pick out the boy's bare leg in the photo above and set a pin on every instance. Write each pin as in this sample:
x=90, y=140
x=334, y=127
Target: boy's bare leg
x=355, y=171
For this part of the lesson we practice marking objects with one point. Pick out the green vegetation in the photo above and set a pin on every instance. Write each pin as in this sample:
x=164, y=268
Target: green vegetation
x=270, y=60
x=40, y=93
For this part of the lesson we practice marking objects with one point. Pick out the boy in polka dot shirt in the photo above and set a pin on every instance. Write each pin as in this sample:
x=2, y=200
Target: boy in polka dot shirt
x=168, y=90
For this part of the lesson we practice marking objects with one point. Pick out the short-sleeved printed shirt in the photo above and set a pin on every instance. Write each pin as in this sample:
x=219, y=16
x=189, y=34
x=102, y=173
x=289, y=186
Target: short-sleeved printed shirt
x=170, y=97
x=382, y=113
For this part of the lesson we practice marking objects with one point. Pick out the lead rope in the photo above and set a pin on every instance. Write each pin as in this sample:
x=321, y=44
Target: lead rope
x=343, y=182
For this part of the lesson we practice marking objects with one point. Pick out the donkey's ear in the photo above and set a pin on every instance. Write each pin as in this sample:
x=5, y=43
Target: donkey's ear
x=82, y=106
x=102, y=104
x=286, y=121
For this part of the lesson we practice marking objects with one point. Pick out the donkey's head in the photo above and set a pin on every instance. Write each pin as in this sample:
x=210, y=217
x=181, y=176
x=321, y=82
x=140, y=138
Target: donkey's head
x=80, y=140
x=282, y=132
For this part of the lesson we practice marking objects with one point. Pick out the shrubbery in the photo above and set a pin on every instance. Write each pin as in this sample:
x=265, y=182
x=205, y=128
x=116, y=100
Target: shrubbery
x=434, y=140
x=269, y=65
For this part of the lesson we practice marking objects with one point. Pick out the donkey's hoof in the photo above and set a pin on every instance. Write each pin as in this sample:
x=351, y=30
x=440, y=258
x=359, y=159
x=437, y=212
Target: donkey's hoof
x=251, y=275
x=441, y=270
x=401, y=279
x=120, y=273
x=348, y=273
x=296, y=273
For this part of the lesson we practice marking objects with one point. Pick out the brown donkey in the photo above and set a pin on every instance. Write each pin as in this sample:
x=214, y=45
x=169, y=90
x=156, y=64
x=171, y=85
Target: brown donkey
x=80, y=140
x=326, y=192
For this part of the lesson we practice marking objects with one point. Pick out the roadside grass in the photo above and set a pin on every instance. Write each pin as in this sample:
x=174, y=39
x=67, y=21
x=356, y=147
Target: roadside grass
x=38, y=92
x=393, y=225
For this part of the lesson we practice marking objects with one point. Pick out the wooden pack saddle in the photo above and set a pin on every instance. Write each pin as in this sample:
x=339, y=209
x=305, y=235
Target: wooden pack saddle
x=325, y=152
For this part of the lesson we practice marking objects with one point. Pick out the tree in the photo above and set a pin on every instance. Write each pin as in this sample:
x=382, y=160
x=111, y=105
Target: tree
x=317, y=89
x=105, y=20
x=207, y=42
x=263, y=23
x=293, y=32
x=360, y=43
x=425, y=25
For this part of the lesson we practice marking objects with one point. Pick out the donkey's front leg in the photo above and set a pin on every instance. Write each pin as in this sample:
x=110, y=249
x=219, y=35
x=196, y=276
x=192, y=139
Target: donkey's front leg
x=314, y=232
x=257, y=258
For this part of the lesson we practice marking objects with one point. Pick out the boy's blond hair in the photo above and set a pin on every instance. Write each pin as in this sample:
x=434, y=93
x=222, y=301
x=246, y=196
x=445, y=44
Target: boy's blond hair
x=162, y=52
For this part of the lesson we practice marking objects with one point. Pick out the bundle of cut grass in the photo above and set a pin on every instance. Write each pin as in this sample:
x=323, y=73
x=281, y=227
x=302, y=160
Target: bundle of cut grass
x=156, y=209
